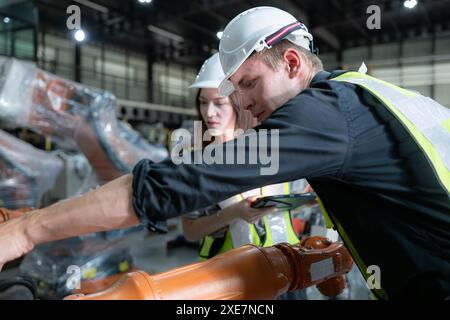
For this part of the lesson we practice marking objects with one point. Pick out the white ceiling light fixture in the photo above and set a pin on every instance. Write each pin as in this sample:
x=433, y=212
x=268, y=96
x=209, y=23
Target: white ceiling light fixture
x=165, y=33
x=6, y=19
x=79, y=35
x=219, y=34
x=145, y=1
x=410, y=4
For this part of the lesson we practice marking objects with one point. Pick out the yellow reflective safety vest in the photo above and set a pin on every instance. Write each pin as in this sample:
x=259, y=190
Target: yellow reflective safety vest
x=426, y=121
x=277, y=226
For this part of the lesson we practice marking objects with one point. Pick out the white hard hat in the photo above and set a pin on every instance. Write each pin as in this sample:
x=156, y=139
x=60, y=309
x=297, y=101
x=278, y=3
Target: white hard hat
x=254, y=30
x=210, y=74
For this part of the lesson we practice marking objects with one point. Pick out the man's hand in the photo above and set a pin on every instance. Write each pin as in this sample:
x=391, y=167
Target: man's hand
x=106, y=208
x=14, y=240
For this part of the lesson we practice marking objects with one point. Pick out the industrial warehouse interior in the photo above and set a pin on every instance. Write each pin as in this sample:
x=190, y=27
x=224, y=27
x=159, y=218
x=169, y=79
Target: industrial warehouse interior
x=224, y=150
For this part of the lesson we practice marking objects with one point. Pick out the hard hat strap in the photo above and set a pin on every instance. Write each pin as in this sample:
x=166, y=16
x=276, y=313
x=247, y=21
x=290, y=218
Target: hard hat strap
x=313, y=49
x=280, y=34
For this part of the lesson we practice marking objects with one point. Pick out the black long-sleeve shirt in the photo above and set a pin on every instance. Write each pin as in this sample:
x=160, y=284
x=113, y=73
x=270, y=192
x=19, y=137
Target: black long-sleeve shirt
x=364, y=166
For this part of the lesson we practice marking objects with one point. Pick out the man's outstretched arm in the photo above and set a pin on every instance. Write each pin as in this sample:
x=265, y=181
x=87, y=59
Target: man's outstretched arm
x=108, y=207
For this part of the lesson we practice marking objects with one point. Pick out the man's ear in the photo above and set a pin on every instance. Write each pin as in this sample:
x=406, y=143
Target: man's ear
x=293, y=62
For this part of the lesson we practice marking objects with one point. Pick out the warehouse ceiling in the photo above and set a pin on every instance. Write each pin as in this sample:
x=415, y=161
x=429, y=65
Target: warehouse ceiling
x=185, y=30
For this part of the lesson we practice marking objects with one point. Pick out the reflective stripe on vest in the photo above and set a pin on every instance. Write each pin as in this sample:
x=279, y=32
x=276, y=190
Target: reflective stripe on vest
x=241, y=231
x=426, y=121
x=208, y=247
x=278, y=226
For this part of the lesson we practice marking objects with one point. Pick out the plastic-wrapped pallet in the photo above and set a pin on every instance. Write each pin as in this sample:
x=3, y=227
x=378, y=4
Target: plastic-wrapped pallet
x=61, y=267
x=76, y=116
x=26, y=173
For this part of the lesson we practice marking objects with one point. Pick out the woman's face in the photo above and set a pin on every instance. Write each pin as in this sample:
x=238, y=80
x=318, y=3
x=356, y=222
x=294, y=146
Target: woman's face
x=216, y=112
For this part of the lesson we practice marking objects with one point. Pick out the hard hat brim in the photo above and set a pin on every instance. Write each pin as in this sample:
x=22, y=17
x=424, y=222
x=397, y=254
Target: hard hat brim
x=205, y=84
x=226, y=87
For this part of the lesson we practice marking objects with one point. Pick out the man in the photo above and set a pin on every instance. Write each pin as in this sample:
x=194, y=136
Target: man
x=386, y=189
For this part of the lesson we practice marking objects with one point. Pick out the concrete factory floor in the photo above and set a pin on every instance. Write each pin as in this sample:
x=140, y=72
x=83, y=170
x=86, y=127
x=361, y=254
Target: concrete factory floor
x=154, y=254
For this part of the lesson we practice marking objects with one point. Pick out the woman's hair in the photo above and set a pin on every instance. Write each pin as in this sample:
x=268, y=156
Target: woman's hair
x=199, y=116
x=244, y=118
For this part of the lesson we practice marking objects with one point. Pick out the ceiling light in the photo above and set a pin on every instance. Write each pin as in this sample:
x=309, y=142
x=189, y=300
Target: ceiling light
x=410, y=3
x=79, y=35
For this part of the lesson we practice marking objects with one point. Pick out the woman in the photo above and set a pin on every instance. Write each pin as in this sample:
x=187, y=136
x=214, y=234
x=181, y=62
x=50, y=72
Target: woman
x=233, y=222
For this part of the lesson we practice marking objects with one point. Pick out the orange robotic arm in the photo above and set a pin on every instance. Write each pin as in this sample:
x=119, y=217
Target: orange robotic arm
x=248, y=272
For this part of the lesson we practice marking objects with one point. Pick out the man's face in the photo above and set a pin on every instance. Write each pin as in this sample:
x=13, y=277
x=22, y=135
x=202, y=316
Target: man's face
x=259, y=88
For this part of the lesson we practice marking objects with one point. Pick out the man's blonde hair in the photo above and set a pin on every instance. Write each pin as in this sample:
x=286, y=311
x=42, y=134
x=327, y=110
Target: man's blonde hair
x=273, y=56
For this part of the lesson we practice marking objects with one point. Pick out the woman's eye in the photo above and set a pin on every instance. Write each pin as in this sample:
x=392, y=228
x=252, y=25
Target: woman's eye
x=220, y=103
